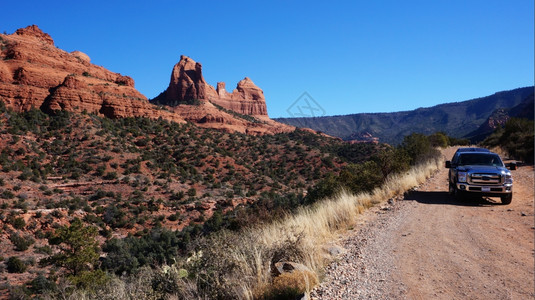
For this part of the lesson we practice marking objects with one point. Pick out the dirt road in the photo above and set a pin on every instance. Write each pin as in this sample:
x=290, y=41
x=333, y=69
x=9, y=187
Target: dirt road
x=430, y=246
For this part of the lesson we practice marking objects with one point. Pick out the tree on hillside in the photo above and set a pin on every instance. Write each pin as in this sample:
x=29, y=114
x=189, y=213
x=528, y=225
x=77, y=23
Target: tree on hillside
x=439, y=139
x=79, y=250
x=418, y=147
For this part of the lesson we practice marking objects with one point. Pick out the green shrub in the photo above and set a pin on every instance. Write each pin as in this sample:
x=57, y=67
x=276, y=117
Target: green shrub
x=18, y=223
x=362, y=177
x=192, y=192
x=15, y=265
x=19, y=292
x=41, y=284
x=22, y=243
x=419, y=148
x=111, y=175
x=325, y=188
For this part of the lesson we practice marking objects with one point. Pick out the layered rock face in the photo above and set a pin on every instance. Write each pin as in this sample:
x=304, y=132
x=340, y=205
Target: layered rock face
x=36, y=74
x=188, y=85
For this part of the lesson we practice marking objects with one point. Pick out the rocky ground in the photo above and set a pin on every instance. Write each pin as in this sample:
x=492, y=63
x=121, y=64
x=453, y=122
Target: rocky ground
x=430, y=246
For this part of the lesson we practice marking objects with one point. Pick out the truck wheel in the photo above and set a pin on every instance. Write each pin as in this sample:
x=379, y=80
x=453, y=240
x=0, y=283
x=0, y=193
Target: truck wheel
x=451, y=190
x=459, y=195
x=507, y=199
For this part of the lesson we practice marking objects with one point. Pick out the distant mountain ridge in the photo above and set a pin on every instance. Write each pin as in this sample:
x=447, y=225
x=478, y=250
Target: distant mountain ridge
x=457, y=119
x=500, y=116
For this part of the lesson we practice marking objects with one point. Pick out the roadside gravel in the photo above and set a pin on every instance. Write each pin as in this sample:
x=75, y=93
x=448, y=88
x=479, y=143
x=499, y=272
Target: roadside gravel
x=365, y=270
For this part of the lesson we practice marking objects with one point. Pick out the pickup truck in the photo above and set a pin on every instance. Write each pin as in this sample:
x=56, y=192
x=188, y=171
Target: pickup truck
x=479, y=172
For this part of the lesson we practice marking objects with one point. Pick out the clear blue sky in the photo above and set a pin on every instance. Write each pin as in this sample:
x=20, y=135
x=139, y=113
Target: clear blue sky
x=350, y=56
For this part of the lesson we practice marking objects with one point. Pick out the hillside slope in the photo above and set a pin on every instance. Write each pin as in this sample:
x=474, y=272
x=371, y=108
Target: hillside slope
x=456, y=119
x=500, y=116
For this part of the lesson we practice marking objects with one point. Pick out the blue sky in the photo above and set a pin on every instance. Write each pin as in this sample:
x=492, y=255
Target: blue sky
x=349, y=56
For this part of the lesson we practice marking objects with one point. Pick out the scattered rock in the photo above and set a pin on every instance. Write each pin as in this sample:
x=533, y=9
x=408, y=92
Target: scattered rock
x=286, y=266
x=335, y=251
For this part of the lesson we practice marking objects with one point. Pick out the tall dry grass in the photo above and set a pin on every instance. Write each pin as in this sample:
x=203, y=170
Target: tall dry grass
x=310, y=229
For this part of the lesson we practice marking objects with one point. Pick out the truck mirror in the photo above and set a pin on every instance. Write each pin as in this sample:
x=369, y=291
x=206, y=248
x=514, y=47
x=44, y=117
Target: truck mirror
x=448, y=164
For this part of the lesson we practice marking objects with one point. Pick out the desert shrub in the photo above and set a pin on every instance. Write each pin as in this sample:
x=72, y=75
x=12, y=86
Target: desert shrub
x=100, y=170
x=114, y=216
x=362, y=177
x=22, y=243
x=419, y=148
x=192, y=192
x=110, y=175
x=41, y=285
x=157, y=247
x=458, y=142
x=391, y=161
x=44, y=250
x=15, y=265
x=325, y=188
x=89, y=279
x=439, y=139
x=17, y=222
x=19, y=292
x=7, y=194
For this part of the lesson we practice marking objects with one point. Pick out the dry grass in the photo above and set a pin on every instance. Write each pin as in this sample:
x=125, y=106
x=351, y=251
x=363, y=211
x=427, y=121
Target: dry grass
x=309, y=230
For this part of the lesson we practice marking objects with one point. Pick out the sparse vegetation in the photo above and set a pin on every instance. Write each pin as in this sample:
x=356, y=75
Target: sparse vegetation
x=516, y=138
x=240, y=202
x=140, y=177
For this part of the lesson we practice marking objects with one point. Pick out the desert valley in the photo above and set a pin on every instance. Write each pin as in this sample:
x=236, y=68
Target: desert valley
x=102, y=189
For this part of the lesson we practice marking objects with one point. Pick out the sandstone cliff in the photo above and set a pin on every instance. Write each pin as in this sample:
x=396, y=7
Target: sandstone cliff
x=187, y=85
x=36, y=74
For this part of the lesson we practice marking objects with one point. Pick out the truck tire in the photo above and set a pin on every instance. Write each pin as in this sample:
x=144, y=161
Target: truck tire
x=451, y=189
x=506, y=199
x=459, y=195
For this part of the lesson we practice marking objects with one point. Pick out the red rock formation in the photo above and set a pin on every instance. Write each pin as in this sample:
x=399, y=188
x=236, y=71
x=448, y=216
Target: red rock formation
x=187, y=84
x=34, y=73
x=247, y=98
x=33, y=31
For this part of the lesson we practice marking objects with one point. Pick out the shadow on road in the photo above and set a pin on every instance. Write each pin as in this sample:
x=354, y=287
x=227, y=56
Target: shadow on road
x=444, y=198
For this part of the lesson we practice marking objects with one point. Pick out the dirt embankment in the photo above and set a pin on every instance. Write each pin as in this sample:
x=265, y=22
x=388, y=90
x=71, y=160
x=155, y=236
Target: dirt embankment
x=430, y=246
